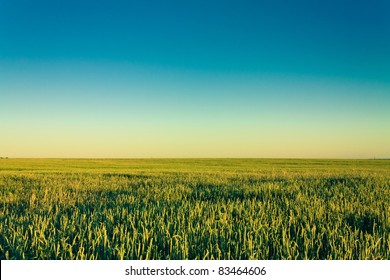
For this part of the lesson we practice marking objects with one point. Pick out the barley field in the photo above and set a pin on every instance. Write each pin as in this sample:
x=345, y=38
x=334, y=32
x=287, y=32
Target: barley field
x=194, y=209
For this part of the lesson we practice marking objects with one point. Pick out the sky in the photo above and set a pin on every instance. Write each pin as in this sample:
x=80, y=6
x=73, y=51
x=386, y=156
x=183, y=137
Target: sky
x=264, y=79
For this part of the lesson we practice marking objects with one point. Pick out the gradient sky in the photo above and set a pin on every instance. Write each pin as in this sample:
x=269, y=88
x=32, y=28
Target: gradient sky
x=195, y=78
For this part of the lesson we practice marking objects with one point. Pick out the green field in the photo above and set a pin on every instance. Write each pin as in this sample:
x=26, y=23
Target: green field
x=194, y=209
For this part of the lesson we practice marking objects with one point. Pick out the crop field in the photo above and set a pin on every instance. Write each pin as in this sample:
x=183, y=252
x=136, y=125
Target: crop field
x=194, y=209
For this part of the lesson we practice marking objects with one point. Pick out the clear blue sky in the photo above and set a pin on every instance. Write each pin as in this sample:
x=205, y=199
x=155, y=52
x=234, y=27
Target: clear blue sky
x=195, y=78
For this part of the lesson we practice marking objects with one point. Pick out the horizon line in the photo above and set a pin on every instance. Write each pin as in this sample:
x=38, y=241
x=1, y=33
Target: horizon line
x=130, y=158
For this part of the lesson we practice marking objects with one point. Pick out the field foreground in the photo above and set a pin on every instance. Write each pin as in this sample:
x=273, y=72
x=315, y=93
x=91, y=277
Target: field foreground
x=194, y=209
